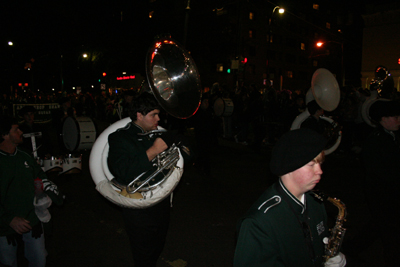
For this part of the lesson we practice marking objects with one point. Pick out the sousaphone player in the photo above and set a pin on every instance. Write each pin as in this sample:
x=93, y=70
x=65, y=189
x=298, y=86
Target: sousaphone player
x=131, y=154
x=140, y=161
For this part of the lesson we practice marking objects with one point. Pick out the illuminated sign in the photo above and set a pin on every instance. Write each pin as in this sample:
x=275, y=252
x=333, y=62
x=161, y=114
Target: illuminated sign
x=126, y=77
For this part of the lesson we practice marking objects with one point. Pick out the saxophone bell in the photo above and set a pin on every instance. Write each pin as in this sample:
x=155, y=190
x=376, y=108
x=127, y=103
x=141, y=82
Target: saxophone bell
x=334, y=242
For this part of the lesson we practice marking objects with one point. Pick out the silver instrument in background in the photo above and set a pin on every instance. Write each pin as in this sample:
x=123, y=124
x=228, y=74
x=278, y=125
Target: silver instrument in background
x=376, y=88
x=381, y=76
x=326, y=92
x=174, y=81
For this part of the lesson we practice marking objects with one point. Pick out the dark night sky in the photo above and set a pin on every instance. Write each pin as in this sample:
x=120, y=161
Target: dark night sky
x=39, y=27
x=70, y=28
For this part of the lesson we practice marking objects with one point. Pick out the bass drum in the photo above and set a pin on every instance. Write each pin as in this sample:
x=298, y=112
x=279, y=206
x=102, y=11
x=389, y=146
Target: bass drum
x=331, y=133
x=102, y=176
x=78, y=133
x=223, y=107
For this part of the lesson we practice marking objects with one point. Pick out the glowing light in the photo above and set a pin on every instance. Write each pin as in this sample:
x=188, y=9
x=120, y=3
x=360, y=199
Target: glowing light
x=126, y=77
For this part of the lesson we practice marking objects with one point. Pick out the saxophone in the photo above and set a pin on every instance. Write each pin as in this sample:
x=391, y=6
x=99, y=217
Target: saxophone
x=334, y=242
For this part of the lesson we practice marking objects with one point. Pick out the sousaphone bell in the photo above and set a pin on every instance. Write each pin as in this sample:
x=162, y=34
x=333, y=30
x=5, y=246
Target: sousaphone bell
x=376, y=88
x=326, y=92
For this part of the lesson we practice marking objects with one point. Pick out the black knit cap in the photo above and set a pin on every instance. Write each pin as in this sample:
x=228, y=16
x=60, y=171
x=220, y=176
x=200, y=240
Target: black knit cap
x=383, y=108
x=295, y=149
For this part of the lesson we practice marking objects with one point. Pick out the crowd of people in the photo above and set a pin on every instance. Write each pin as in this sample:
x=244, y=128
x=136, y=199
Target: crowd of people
x=287, y=226
x=102, y=105
x=259, y=117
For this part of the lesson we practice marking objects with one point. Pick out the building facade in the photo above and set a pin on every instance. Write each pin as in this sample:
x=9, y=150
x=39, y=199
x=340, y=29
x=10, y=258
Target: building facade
x=279, y=50
x=381, y=43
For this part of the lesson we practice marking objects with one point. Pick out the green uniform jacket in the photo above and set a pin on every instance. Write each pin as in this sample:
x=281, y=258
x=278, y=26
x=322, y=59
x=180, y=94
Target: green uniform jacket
x=127, y=156
x=271, y=235
x=17, y=173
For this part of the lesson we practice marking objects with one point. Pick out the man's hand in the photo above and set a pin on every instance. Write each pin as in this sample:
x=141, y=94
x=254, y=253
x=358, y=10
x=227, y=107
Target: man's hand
x=20, y=225
x=158, y=146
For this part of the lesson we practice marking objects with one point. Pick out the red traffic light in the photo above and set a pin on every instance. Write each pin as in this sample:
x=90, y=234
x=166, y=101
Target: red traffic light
x=104, y=74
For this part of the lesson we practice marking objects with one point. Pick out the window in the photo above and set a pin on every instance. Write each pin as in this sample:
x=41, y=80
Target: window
x=315, y=6
x=328, y=25
x=251, y=16
x=250, y=33
x=270, y=38
x=220, y=67
x=289, y=74
x=303, y=46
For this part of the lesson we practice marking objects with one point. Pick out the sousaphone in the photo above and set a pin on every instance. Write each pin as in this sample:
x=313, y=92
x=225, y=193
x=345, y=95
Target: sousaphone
x=326, y=92
x=174, y=80
x=376, y=87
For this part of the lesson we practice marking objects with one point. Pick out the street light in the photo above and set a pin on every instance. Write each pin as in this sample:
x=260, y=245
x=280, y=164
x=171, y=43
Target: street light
x=321, y=44
x=280, y=11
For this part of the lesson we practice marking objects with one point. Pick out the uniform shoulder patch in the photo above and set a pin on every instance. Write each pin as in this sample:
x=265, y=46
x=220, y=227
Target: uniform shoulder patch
x=270, y=203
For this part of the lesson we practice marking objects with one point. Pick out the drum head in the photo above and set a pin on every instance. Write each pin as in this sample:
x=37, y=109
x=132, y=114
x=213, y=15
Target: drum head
x=223, y=107
x=78, y=133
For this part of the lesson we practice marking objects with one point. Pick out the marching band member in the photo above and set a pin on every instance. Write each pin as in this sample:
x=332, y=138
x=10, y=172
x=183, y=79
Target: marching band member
x=130, y=155
x=286, y=225
x=381, y=158
x=20, y=218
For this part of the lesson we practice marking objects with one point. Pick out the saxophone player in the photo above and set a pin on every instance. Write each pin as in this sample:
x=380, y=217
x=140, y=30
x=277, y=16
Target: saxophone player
x=286, y=226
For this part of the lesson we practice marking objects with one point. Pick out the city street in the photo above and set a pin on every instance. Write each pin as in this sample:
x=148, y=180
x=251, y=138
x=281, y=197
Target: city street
x=88, y=230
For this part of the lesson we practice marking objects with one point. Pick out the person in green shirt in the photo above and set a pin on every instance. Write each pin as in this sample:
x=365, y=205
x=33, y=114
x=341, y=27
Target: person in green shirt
x=18, y=216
